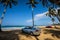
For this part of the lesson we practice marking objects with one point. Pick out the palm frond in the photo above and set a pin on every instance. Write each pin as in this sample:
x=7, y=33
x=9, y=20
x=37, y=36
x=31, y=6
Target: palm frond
x=9, y=2
x=0, y=0
x=28, y=3
x=44, y=2
x=32, y=3
x=59, y=12
x=47, y=14
x=57, y=2
x=10, y=5
x=15, y=2
x=36, y=2
x=52, y=1
x=52, y=11
x=53, y=19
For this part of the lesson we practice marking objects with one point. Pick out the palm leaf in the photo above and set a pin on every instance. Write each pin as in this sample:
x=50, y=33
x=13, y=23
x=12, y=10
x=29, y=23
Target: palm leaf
x=44, y=2
x=28, y=3
x=57, y=2
x=14, y=2
x=9, y=2
x=36, y=2
x=32, y=3
x=52, y=1
x=58, y=12
x=53, y=19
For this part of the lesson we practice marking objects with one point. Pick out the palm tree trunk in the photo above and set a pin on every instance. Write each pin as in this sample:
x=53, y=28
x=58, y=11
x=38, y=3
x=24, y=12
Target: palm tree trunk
x=0, y=28
x=2, y=17
x=54, y=25
x=32, y=17
x=58, y=18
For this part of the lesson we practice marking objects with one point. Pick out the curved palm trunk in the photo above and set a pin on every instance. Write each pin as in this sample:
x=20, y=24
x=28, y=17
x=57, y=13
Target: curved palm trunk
x=0, y=28
x=53, y=22
x=58, y=18
x=2, y=17
x=32, y=18
x=54, y=25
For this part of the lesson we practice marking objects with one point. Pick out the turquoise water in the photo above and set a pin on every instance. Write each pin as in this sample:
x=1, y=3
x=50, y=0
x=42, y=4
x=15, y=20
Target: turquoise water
x=6, y=28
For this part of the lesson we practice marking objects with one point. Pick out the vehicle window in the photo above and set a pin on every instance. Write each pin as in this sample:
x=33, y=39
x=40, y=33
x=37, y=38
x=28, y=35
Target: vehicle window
x=33, y=28
x=30, y=27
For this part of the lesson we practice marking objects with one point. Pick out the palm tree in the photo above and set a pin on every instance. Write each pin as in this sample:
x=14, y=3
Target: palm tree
x=53, y=20
x=57, y=2
x=44, y=2
x=51, y=14
x=6, y=3
x=58, y=15
x=32, y=3
x=54, y=2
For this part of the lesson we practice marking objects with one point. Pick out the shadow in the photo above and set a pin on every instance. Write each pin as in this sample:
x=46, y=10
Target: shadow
x=26, y=34
x=48, y=39
x=8, y=36
x=36, y=37
x=29, y=35
x=55, y=33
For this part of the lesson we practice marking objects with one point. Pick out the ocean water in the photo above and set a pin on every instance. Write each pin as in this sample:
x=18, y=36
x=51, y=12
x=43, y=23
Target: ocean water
x=11, y=28
x=7, y=28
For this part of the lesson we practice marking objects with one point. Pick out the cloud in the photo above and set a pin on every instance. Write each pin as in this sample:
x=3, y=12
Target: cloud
x=37, y=17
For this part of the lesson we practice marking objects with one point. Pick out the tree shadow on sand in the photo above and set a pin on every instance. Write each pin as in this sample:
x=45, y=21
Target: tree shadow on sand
x=29, y=35
x=48, y=39
x=26, y=34
x=8, y=36
x=55, y=33
x=36, y=37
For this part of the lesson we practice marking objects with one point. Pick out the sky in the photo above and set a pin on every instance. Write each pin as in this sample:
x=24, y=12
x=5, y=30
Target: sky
x=22, y=14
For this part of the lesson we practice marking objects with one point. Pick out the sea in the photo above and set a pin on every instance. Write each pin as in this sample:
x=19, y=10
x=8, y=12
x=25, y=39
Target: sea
x=7, y=28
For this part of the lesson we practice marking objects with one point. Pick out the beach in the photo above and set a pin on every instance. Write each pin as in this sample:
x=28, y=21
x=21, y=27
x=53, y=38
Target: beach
x=46, y=34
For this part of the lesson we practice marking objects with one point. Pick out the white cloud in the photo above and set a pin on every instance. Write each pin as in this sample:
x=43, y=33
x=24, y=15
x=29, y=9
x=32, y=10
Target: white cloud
x=37, y=17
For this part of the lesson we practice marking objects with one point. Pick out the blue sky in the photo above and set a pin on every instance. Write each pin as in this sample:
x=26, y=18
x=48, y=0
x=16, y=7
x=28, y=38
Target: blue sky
x=22, y=15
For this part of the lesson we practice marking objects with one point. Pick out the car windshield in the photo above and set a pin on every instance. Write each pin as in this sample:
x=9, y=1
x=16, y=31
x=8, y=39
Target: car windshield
x=30, y=28
x=33, y=28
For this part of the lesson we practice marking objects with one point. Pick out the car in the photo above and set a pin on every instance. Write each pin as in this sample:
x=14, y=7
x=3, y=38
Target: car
x=48, y=26
x=32, y=31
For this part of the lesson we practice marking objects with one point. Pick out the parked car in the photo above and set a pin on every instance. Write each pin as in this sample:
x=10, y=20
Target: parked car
x=48, y=26
x=32, y=31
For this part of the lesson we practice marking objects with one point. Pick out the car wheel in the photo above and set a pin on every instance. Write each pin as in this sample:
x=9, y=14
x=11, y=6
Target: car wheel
x=36, y=34
x=31, y=33
x=22, y=31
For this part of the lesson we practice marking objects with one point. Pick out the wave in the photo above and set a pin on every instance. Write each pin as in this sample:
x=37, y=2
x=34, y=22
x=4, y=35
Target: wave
x=11, y=28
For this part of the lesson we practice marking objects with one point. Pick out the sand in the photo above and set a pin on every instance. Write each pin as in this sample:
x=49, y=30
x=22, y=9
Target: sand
x=46, y=34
